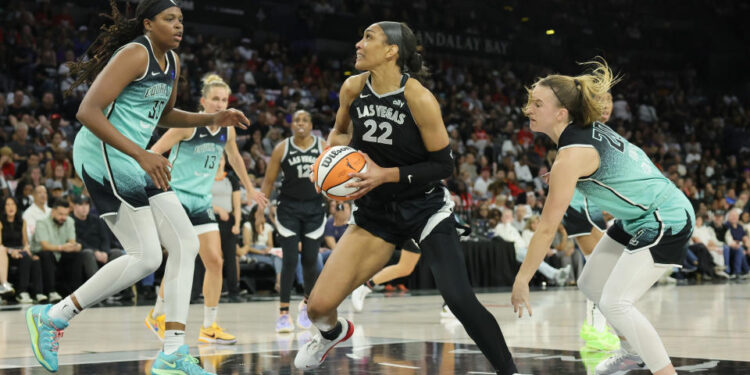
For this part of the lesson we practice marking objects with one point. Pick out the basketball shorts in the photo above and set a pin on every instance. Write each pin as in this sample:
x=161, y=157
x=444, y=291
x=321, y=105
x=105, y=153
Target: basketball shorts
x=400, y=222
x=579, y=220
x=301, y=218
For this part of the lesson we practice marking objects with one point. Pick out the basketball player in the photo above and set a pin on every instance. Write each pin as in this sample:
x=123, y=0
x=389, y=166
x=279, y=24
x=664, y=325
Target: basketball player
x=195, y=157
x=410, y=255
x=396, y=122
x=584, y=223
x=654, y=219
x=133, y=69
x=300, y=214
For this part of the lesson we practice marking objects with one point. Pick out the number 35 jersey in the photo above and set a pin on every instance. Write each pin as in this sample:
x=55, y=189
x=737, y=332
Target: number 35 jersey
x=135, y=113
x=627, y=184
x=385, y=130
x=194, y=164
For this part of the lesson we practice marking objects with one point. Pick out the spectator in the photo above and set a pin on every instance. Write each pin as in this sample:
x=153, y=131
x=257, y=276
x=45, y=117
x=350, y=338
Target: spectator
x=482, y=183
x=15, y=243
x=54, y=241
x=37, y=211
x=519, y=219
x=93, y=235
x=509, y=233
x=257, y=243
x=736, y=238
x=704, y=234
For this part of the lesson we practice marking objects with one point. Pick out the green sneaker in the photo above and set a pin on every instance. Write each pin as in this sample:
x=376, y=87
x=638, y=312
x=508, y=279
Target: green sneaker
x=592, y=357
x=177, y=363
x=604, y=341
x=588, y=332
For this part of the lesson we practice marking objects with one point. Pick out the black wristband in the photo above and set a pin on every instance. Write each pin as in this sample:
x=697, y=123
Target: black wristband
x=438, y=166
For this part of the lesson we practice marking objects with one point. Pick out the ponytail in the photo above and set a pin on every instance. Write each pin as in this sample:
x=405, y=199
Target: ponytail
x=409, y=60
x=584, y=96
x=122, y=31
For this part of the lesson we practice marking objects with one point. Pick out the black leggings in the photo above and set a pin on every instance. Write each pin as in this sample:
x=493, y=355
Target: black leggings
x=442, y=252
x=29, y=275
x=290, y=249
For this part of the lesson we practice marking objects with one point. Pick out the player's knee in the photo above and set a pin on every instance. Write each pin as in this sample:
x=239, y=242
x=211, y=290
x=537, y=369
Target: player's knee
x=190, y=245
x=612, y=305
x=316, y=309
x=587, y=287
x=213, y=261
x=151, y=259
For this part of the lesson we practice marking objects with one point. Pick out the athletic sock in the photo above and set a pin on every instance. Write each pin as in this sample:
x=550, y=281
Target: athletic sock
x=370, y=284
x=332, y=334
x=173, y=340
x=209, y=315
x=63, y=310
x=589, y=312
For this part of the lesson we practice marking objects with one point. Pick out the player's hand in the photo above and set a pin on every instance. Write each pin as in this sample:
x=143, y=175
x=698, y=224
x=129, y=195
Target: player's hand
x=259, y=198
x=223, y=214
x=236, y=228
x=520, y=297
x=231, y=117
x=368, y=180
x=157, y=167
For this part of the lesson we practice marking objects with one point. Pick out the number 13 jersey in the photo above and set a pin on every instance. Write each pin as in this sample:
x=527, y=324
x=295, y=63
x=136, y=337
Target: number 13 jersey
x=385, y=130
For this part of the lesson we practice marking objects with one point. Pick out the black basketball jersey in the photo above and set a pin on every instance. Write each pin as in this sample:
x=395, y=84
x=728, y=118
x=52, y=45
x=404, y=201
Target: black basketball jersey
x=296, y=166
x=385, y=130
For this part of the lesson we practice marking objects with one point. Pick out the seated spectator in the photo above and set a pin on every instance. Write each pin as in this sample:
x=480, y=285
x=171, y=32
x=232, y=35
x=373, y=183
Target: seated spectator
x=509, y=233
x=54, y=241
x=519, y=219
x=335, y=227
x=482, y=183
x=37, y=211
x=93, y=235
x=14, y=243
x=257, y=243
x=705, y=237
x=736, y=238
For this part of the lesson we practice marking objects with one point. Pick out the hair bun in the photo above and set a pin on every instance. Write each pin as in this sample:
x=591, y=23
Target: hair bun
x=212, y=78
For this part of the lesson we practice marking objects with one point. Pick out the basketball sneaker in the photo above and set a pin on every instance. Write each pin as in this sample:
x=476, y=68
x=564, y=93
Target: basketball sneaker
x=595, y=339
x=215, y=335
x=358, y=297
x=45, y=334
x=284, y=324
x=177, y=363
x=303, y=321
x=622, y=361
x=591, y=358
x=156, y=325
x=312, y=354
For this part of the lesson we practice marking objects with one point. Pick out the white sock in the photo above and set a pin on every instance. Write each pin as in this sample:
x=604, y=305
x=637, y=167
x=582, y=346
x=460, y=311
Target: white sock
x=209, y=315
x=589, y=312
x=173, y=340
x=64, y=310
x=158, y=307
x=600, y=322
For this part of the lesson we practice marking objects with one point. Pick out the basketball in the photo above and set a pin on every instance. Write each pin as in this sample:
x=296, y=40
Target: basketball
x=331, y=171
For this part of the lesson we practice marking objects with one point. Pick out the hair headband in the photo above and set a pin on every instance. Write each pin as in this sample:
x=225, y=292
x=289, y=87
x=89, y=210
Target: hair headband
x=158, y=7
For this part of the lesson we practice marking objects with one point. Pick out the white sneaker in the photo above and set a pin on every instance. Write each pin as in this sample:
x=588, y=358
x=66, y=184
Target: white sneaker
x=6, y=288
x=562, y=275
x=446, y=312
x=312, y=354
x=24, y=298
x=54, y=297
x=358, y=297
x=622, y=361
x=41, y=297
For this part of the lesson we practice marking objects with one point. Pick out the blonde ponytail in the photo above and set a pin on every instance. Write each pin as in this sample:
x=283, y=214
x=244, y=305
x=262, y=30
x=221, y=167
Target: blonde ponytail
x=210, y=81
x=584, y=96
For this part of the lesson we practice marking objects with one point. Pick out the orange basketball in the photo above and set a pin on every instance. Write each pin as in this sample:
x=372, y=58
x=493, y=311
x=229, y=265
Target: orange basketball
x=331, y=171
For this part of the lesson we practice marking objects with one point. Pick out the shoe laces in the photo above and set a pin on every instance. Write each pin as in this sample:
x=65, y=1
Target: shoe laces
x=316, y=344
x=56, y=338
x=191, y=365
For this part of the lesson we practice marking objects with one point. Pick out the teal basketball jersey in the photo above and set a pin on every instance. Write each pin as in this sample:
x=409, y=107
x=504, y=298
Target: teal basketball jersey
x=194, y=164
x=134, y=113
x=627, y=184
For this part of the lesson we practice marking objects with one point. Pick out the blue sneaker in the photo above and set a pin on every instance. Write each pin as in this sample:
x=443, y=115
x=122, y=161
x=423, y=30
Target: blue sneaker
x=177, y=363
x=284, y=324
x=45, y=334
x=302, y=320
